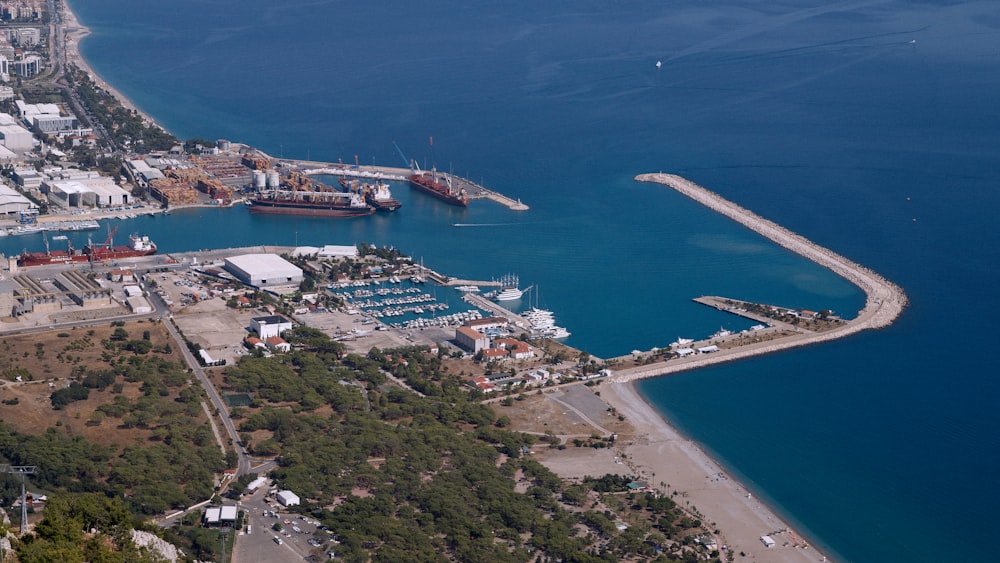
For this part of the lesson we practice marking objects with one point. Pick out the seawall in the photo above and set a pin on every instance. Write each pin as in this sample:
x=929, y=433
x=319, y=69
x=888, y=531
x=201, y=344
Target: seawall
x=884, y=303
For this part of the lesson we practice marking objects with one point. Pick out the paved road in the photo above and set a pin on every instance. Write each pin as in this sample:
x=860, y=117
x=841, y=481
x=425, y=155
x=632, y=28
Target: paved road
x=243, y=466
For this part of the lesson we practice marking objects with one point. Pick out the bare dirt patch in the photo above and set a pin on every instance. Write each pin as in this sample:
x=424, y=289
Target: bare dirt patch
x=50, y=360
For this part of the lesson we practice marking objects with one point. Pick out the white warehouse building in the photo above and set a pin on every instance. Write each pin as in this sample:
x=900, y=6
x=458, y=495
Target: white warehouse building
x=99, y=192
x=267, y=327
x=13, y=202
x=264, y=270
x=288, y=498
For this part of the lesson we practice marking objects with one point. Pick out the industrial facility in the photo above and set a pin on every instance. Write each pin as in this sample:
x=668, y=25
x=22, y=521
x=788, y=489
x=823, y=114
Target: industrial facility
x=264, y=270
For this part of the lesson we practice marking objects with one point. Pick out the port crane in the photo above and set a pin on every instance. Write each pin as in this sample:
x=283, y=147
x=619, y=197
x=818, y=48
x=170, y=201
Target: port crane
x=411, y=164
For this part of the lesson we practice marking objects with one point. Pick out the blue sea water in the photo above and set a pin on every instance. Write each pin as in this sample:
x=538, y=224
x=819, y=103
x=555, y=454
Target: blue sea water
x=824, y=117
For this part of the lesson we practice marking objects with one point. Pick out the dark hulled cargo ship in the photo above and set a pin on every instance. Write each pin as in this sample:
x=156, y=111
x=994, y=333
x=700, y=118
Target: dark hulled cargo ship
x=311, y=203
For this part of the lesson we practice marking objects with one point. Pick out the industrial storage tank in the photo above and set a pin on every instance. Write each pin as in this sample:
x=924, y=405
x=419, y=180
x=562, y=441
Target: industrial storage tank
x=273, y=179
x=223, y=144
x=259, y=179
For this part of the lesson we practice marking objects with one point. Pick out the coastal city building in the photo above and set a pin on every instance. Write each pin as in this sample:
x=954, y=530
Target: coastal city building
x=99, y=192
x=271, y=326
x=28, y=67
x=48, y=118
x=471, y=339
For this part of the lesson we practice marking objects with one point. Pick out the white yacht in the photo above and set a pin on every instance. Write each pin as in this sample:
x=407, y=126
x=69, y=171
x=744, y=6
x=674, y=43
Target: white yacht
x=557, y=332
x=508, y=289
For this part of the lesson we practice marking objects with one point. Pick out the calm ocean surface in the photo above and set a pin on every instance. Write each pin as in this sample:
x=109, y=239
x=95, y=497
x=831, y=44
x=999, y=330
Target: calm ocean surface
x=825, y=118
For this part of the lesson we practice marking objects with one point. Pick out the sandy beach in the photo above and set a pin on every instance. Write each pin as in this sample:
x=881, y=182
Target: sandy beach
x=76, y=32
x=669, y=462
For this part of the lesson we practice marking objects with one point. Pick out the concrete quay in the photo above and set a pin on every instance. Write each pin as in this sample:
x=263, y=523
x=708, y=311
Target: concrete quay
x=474, y=190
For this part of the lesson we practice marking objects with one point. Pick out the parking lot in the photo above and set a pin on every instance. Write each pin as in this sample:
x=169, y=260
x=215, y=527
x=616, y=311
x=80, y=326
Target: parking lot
x=299, y=536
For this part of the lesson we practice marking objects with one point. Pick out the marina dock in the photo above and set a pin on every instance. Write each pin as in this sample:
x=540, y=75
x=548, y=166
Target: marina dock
x=487, y=305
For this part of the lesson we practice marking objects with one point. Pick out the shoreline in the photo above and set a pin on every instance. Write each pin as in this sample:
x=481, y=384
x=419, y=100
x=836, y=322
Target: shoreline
x=659, y=449
x=680, y=467
x=75, y=33
x=741, y=519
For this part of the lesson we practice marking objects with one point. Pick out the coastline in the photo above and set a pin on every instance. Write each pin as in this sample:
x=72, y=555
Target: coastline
x=671, y=462
x=679, y=467
x=75, y=33
x=722, y=500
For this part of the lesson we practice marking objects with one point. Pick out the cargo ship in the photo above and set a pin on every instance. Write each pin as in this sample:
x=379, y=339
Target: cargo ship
x=50, y=257
x=376, y=195
x=312, y=203
x=429, y=183
x=138, y=246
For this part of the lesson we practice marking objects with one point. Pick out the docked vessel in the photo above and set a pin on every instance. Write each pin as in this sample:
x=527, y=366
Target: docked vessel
x=138, y=246
x=376, y=195
x=26, y=259
x=430, y=183
x=508, y=289
x=313, y=203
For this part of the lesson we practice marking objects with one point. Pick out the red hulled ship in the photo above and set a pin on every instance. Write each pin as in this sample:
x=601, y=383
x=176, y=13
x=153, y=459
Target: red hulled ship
x=429, y=183
x=139, y=246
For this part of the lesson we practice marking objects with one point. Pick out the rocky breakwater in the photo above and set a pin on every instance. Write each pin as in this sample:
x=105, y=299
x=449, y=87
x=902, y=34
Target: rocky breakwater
x=884, y=303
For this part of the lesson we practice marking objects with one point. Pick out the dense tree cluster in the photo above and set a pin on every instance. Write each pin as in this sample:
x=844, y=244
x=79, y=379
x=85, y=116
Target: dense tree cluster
x=400, y=476
x=173, y=467
x=395, y=474
x=126, y=127
x=84, y=528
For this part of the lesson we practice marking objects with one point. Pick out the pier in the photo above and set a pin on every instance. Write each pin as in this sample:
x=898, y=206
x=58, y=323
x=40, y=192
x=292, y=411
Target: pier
x=487, y=305
x=476, y=191
x=394, y=173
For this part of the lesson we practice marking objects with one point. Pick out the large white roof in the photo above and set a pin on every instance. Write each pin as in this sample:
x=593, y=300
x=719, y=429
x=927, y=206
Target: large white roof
x=265, y=265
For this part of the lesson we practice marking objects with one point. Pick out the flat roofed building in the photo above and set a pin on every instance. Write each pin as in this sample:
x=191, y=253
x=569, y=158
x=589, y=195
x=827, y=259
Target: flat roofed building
x=288, y=498
x=264, y=270
x=27, y=178
x=267, y=327
x=16, y=138
x=71, y=194
x=227, y=514
x=13, y=202
x=108, y=194
x=471, y=340
x=138, y=305
x=212, y=514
